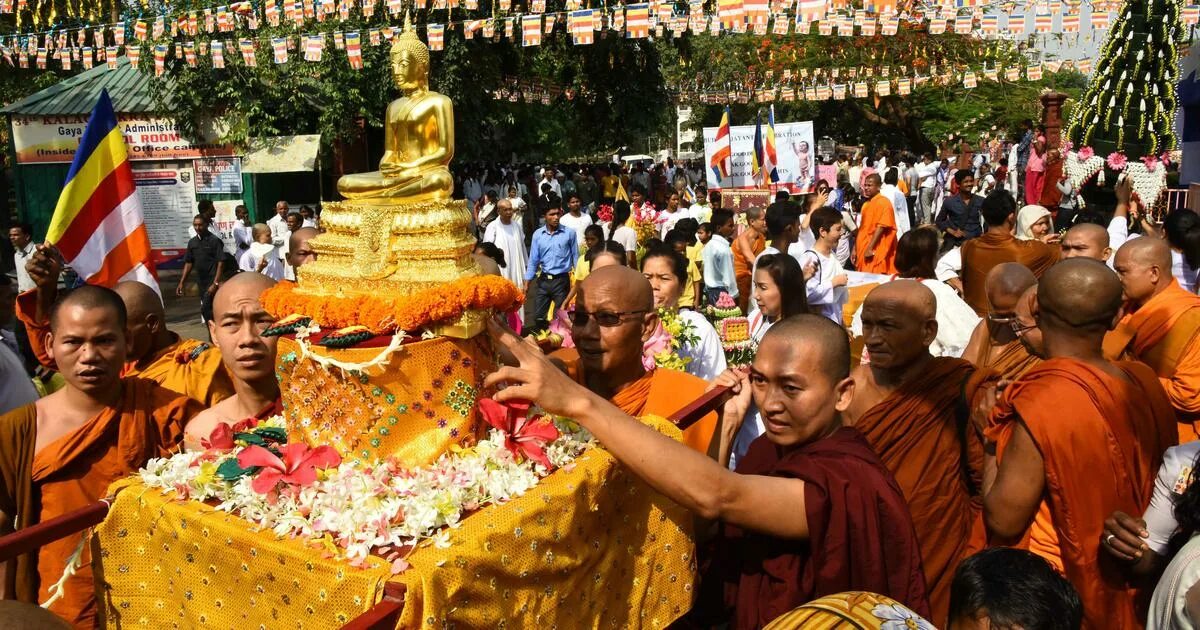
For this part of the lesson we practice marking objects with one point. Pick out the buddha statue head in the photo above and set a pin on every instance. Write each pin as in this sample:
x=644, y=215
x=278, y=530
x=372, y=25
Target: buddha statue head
x=410, y=59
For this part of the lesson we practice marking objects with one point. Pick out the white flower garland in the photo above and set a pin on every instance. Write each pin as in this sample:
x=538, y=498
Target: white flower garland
x=359, y=509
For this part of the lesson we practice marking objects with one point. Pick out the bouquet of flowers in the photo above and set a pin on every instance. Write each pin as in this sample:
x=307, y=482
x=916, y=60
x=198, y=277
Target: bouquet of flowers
x=664, y=346
x=647, y=222
x=353, y=510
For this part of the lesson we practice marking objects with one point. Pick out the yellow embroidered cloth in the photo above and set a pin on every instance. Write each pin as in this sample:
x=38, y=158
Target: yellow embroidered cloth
x=165, y=563
x=590, y=546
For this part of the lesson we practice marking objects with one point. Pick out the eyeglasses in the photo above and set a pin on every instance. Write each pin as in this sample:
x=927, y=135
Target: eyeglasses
x=1002, y=318
x=607, y=319
x=1019, y=329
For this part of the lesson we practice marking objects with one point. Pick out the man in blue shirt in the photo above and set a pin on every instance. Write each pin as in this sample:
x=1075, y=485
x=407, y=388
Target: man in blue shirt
x=551, y=259
x=960, y=216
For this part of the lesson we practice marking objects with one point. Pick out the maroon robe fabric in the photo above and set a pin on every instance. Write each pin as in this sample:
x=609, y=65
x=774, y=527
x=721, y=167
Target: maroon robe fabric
x=861, y=536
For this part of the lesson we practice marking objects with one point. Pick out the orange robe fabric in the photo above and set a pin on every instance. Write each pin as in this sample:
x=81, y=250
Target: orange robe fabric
x=662, y=392
x=743, y=267
x=980, y=254
x=1102, y=440
x=1008, y=361
x=922, y=434
x=877, y=212
x=1165, y=334
x=189, y=367
x=76, y=470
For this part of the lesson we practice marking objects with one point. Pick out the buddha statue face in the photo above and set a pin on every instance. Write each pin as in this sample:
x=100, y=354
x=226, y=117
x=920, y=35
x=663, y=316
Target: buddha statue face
x=410, y=69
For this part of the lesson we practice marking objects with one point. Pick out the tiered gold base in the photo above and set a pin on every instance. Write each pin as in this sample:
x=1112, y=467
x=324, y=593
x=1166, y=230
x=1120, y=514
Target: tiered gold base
x=376, y=246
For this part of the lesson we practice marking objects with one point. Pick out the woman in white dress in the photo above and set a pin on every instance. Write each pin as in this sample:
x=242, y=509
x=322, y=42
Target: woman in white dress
x=667, y=273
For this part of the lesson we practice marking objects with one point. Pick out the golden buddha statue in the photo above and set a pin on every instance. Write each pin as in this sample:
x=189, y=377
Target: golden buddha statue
x=398, y=232
x=418, y=134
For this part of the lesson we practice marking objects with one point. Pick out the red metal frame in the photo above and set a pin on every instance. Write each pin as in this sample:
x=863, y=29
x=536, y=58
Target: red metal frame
x=385, y=614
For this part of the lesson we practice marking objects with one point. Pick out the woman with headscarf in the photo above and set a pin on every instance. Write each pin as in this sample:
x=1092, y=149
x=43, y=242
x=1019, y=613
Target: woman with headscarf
x=1034, y=223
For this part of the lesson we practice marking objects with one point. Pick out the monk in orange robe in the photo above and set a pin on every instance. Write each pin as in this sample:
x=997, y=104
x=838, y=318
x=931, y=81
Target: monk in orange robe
x=994, y=345
x=913, y=409
x=746, y=248
x=186, y=366
x=1075, y=439
x=1161, y=327
x=996, y=246
x=61, y=453
x=610, y=356
x=875, y=245
x=811, y=511
x=237, y=326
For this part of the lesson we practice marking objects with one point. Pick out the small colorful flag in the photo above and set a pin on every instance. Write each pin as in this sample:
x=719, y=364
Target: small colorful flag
x=963, y=24
x=637, y=21
x=969, y=80
x=531, y=30
x=581, y=25
x=867, y=27
x=354, y=50
x=1016, y=24
x=510, y=26
x=1190, y=14
x=314, y=47
x=111, y=55
x=246, y=46
x=1099, y=19
x=139, y=30
x=1043, y=22
x=1012, y=73
x=279, y=45
x=732, y=13
x=1034, y=72
x=87, y=57
x=437, y=34
x=990, y=25
x=904, y=86
x=189, y=53
x=134, y=53
x=721, y=162
x=548, y=24
x=1083, y=65
x=160, y=59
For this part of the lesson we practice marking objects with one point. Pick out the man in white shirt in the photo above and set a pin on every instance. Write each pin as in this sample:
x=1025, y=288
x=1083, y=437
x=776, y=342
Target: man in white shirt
x=21, y=236
x=899, y=202
x=718, y=258
x=574, y=217
x=548, y=178
x=243, y=234
x=927, y=176
x=278, y=224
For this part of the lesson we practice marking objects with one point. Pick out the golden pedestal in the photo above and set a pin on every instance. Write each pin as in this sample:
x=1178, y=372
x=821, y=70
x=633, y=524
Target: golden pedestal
x=376, y=246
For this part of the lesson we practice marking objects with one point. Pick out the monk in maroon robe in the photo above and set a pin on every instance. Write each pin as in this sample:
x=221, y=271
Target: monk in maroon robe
x=845, y=526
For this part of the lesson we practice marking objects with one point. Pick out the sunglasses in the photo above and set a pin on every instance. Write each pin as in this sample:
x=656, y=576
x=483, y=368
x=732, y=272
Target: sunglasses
x=607, y=319
x=1019, y=329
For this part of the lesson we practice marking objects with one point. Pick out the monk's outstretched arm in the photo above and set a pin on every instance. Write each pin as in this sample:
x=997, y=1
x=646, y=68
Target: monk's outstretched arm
x=1012, y=489
x=685, y=476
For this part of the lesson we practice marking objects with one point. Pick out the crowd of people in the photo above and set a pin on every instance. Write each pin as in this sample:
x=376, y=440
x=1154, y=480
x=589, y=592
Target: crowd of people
x=1002, y=433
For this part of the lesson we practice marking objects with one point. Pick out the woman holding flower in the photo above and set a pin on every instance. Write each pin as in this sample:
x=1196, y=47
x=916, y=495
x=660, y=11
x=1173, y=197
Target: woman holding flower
x=686, y=334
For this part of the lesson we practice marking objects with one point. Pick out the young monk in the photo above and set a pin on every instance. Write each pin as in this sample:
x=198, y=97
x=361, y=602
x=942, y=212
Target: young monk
x=1161, y=327
x=1075, y=439
x=238, y=322
x=913, y=409
x=186, y=366
x=876, y=243
x=811, y=510
x=993, y=344
x=62, y=452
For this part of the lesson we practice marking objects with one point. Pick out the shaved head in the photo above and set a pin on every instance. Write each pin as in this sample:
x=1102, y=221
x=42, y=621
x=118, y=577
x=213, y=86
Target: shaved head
x=140, y=300
x=1004, y=285
x=1144, y=267
x=611, y=354
x=1079, y=295
x=1086, y=240
x=241, y=284
x=830, y=340
x=299, y=251
x=237, y=326
x=147, y=320
x=899, y=321
x=92, y=297
x=629, y=286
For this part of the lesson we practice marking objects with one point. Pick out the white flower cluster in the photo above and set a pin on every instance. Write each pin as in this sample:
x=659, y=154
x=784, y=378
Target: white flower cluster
x=357, y=509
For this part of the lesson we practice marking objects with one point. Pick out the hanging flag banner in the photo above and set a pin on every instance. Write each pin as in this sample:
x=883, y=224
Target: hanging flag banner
x=436, y=35
x=354, y=50
x=637, y=21
x=793, y=142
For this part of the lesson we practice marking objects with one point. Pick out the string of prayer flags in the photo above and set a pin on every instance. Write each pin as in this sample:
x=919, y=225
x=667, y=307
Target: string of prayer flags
x=189, y=53
x=110, y=55
x=437, y=34
x=160, y=59
x=279, y=46
x=1042, y=22
x=354, y=50
x=531, y=30
x=637, y=21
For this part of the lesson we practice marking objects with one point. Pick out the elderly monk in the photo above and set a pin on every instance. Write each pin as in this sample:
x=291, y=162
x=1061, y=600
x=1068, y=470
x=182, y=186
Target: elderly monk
x=1075, y=439
x=807, y=478
x=1087, y=240
x=186, y=366
x=237, y=326
x=913, y=409
x=997, y=245
x=614, y=316
x=60, y=453
x=876, y=241
x=993, y=345
x=1160, y=327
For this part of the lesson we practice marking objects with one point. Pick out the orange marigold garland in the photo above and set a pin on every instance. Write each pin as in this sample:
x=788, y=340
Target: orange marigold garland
x=384, y=315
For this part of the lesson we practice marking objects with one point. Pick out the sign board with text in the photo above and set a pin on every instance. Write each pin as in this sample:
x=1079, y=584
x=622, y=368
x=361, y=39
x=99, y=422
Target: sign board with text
x=794, y=148
x=168, y=205
x=218, y=176
x=53, y=139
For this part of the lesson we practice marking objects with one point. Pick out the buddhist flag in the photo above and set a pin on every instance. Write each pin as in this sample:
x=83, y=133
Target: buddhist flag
x=637, y=21
x=531, y=30
x=1043, y=22
x=1099, y=19
x=989, y=25
x=248, y=54
x=1191, y=14
x=721, y=163
x=437, y=35
x=732, y=13
x=97, y=224
x=582, y=25
x=1016, y=24
x=354, y=50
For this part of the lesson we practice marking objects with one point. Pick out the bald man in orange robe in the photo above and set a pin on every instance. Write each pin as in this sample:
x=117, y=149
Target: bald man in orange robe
x=875, y=245
x=913, y=409
x=1161, y=327
x=993, y=344
x=1075, y=439
x=186, y=366
x=610, y=357
x=61, y=453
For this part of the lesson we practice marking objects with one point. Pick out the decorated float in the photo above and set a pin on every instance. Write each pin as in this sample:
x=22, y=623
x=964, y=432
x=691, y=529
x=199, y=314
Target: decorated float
x=391, y=491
